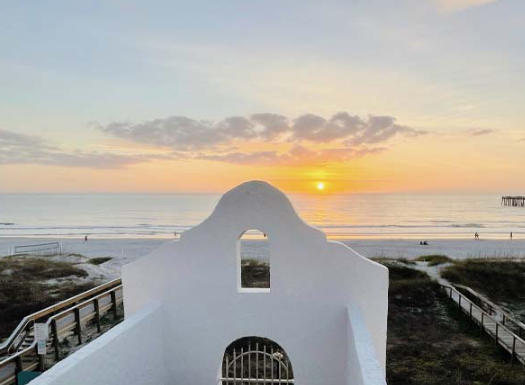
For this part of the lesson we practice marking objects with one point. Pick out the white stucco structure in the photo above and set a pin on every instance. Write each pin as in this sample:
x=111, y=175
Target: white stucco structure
x=327, y=305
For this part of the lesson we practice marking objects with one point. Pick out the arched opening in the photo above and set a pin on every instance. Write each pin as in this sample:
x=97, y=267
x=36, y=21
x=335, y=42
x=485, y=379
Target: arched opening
x=255, y=360
x=253, y=262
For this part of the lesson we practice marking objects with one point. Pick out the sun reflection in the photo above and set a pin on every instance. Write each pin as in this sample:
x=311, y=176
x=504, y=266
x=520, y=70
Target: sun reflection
x=320, y=186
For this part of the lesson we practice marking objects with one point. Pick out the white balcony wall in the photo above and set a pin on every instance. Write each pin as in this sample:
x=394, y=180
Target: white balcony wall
x=131, y=353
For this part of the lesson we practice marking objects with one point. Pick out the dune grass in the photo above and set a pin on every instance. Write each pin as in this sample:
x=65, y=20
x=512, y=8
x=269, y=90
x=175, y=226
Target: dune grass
x=386, y=260
x=410, y=287
x=99, y=260
x=434, y=260
x=255, y=273
x=23, y=287
x=498, y=279
x=35, y=269
x=431, y=343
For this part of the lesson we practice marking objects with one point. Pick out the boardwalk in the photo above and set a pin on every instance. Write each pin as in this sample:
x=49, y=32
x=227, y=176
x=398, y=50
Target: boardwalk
x=518, y=201
x=490, y=325
x=79, y=316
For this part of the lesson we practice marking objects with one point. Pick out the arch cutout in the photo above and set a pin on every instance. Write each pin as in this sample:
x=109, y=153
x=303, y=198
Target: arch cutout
x=255, y=360
x=253, y=262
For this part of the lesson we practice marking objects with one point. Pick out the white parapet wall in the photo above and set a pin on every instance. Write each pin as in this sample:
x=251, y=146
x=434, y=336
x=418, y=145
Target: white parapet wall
x=363, y=367
x=130, y=353
x=313, y=284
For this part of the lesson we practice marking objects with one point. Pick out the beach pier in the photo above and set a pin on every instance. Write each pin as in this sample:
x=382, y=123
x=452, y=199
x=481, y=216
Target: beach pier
x=517, y=201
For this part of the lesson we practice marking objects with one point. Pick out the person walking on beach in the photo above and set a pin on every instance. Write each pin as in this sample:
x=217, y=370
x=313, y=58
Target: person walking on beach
x=476, y=236
x=85, y=238
x=511, y=235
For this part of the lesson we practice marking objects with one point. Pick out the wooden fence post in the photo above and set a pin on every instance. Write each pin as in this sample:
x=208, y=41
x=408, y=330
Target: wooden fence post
x=19, y=364
x=513, y=350
x=78, y=326
x=41, y=358
x=56, y=342
x=114, y=302
x=482, y=326
x=97, y=314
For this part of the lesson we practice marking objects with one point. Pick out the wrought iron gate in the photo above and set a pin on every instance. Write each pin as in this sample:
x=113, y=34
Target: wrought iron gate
x=253, y=360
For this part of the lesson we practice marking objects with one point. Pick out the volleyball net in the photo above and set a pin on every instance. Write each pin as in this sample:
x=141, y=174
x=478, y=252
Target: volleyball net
x=50, y=248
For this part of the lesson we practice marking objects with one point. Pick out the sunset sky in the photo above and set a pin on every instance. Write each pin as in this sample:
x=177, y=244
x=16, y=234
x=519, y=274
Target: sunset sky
x=169, y=96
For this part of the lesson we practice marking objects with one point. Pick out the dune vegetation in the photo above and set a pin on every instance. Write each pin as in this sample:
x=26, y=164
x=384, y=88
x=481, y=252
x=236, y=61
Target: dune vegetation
x=434, y=260
x=499, y=279
x=30, y=284
x=430, y=343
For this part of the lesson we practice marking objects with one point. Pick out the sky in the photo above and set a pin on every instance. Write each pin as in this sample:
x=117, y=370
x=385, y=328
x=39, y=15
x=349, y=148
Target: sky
x=375, y=96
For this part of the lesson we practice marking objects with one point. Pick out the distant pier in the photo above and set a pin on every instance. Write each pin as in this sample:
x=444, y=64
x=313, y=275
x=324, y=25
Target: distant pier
x=513, y=201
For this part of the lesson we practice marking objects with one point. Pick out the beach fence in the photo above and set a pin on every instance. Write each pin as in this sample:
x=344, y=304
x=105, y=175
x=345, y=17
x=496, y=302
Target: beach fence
x=50, y=248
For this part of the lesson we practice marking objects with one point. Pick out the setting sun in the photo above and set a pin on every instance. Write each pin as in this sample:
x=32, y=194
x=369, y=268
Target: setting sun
x=320, y=186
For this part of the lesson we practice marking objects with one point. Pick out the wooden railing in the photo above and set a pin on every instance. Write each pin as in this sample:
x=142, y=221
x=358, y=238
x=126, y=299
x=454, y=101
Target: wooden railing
x=503, y=336
x=60, y=325
x=10, y=345
x=506, y=319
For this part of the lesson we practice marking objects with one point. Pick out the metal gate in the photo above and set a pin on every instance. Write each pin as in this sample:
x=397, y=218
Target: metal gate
x=253, y=360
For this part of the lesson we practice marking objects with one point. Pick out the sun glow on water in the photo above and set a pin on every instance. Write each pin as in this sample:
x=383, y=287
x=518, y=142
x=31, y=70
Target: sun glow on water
x=320, y=186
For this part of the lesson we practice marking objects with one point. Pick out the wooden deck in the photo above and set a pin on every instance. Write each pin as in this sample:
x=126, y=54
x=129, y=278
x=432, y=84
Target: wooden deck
x=498, y=328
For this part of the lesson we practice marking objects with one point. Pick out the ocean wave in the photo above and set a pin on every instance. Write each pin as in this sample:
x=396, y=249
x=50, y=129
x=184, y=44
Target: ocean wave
x=454, y=225
x=334, y=228
x=163, y=227
x=94, y=227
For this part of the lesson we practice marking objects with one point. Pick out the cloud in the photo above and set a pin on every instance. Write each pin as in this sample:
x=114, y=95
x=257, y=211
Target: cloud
x=356, y=131
x=9, y=139
x=272, y=125
x=184, y=134
x=459, y=5
x=262, y=138
x=18, y=148
x=296, y=156
x=480, y=132
x=317, y=129
x=250, y=158
x=175, y=132
x=307, y=139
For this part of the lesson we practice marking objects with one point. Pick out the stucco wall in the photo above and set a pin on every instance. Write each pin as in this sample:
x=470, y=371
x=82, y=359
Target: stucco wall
x=363, y=364
x=312, y=283
x=131, y=353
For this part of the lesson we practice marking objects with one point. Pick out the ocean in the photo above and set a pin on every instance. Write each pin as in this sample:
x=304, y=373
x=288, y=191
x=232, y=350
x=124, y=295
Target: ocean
x=340, y=216
x=344, y=216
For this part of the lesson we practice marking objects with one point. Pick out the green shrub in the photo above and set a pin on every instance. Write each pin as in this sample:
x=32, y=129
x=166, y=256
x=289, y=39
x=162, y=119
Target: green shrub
x=501, y=280
x=434, y=260
x=99, y=260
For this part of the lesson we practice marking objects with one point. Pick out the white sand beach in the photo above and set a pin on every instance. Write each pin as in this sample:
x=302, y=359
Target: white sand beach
x=454, y=248
x=125, y=250
x=121, y=251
